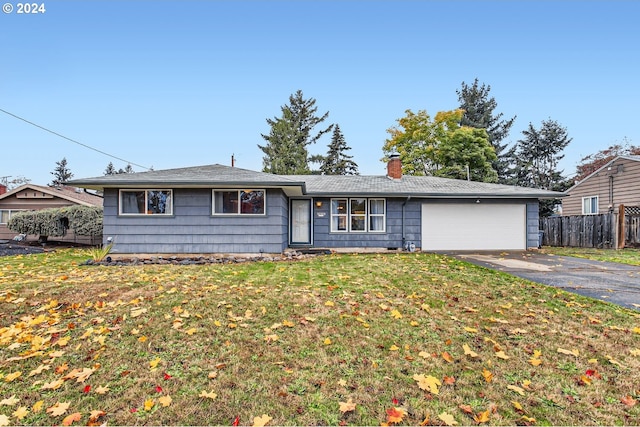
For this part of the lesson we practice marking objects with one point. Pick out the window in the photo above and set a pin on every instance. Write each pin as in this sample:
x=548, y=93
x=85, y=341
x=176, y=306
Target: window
x=238, y=202
x=358, y=215
x=6, y=214
x=590, y=205
x=146, y=202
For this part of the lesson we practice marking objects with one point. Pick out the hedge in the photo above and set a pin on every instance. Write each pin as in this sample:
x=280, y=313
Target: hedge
x=82, y=220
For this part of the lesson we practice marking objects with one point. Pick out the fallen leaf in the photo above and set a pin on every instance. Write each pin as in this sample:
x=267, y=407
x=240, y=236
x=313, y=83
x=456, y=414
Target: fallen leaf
x=535, y=362
x=327, y=341
x=58, y=409
x=149, y=404
x=102, y=389
x=261, y=421
x=9, y=401
x=70, y=419
x=446, y=356
x=517, y=389
x=347, y=406
x=37, y=407
x=629, y=401
x=165, y=401
x=428, y=382
x=500, y=354
x=468, y=351
x=569, y=352
x=448, y=380
x=4, y=420
x=20, y=413
x=342, y=383
x=482, y=417
x=470, y=330
x=12, y=376
x=236, y=421
x=209, y=395
x=448, y=419
x=394, y=347
x=466, y=409
x=488, y=376
x=517, y=405
x=154, y=363
x=395, y=415
x=94, y=415
x=53, y=385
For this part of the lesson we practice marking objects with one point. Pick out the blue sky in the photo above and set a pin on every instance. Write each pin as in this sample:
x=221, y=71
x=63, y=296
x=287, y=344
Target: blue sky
x=185, y=83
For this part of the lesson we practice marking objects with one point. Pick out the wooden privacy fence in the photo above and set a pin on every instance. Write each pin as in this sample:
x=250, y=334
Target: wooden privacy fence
x=610, y=230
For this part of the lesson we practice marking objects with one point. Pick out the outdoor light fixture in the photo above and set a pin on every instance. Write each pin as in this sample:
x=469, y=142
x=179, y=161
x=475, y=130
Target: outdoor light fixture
x=318, y=203
x=477, y=200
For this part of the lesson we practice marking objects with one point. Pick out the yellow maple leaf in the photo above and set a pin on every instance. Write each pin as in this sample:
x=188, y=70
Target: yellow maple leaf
x=95, y=414
x=165, y=401
x=9, y=401
x=500, y=354
x=58, y=409
x=4, y=420
x=394, y=347
x=396, y=314
x=53, y=385
x=636, y=330
x=517, y=405
x=470, y=330
x=428, y=382
x=347, y=406
x=21, y=412
x=448, y=419
x=517, y=389
x=569, y=352
x=208, y=395
x=482, y=417
x=271, y=338
x=329, y=304
x=288, y=323
x=12, y=376
x=327, y=341
x=37, y=407
x=535, y=362
x=468, y=351
x=154, y=363
x=39, y=370
x=488, y=376
x=191, y=331
x=261, y=421
x=149, y=404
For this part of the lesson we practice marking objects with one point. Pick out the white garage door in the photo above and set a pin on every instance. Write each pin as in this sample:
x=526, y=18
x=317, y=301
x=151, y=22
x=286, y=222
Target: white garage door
x=473, y=226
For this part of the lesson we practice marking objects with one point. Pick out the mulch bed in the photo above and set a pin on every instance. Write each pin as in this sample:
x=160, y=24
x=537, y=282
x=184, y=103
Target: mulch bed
x=11, y=247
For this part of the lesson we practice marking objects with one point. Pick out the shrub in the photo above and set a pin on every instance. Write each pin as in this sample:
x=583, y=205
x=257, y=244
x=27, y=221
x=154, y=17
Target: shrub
x=82, y=220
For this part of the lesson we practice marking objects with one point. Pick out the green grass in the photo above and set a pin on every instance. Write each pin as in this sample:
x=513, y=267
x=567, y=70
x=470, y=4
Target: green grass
x=623, y=256
x=294, y=339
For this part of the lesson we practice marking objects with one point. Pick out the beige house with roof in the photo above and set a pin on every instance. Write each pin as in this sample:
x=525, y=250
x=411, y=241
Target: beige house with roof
x=29, y=197
x=616, y=183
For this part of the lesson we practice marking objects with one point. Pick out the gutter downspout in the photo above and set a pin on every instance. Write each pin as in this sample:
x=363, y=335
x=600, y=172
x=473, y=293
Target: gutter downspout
x=404, y=236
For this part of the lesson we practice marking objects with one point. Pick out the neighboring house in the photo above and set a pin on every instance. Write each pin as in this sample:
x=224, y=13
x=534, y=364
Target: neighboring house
x=29, y=197
x=617, y=182
x=221, y=209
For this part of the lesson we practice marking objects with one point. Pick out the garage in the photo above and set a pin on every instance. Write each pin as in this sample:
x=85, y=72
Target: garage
x=473, y=226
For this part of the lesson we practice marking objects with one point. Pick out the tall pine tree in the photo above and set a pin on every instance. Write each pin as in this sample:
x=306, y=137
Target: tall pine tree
x=479, y=113
x=61, y=173
x=286, y=151
x=538, y=155
x=337, y=161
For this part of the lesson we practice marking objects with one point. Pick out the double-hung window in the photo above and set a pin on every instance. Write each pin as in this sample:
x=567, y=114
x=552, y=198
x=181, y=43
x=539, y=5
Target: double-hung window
x=146, y=202
x=238, y=202
x=358, y=215
x=590, y=205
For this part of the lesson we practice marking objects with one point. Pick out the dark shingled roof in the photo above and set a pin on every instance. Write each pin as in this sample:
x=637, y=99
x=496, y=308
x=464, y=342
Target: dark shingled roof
x=314, y=185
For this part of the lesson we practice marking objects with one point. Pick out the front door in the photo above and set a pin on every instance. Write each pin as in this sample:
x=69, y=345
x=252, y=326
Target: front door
x=301, y=222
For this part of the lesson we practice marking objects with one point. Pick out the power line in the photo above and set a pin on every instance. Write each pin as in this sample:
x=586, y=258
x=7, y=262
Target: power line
x=73, y=140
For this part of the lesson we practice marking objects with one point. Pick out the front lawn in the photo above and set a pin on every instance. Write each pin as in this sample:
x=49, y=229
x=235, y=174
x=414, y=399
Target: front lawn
x=401, y=339
x=623, y=256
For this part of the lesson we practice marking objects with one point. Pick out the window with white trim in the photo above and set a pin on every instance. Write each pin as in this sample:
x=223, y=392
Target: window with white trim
x=590, y=205
x=358, y=215
x=146, y=202
x=6, y=214
x=239, y=202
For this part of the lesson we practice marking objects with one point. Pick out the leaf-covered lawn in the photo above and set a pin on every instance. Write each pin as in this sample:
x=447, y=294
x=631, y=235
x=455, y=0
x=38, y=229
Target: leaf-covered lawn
x=401, y=339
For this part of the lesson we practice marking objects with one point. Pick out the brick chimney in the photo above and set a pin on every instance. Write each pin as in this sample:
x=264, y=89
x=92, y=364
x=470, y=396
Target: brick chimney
x=3, y=189
x=394, y=166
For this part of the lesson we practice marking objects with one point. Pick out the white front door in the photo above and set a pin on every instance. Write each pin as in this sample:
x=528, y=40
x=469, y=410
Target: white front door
x=301, y=222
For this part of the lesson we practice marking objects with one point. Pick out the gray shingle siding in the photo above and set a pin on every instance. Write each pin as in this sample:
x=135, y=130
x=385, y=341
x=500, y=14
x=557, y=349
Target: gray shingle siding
x=193, y=229
x=533, y=219
x=391, y=238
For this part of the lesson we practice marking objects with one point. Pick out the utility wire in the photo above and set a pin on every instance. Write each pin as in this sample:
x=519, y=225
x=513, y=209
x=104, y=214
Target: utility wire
x=73, y=140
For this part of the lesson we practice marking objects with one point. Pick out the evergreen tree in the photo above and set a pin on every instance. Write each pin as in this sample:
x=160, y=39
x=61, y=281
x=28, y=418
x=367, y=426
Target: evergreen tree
x=537, y=156
x=479, y=113
x=110, y=170
x=286, y=151
x=337, y=162
x=127, y=169
x=61, y=173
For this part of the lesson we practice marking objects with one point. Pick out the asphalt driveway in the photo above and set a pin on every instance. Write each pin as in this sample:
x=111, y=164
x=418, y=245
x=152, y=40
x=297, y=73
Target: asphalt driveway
x=607, y=281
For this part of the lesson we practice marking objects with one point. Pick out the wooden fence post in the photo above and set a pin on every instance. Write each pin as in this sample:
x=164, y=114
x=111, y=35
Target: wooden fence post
x=621, y=231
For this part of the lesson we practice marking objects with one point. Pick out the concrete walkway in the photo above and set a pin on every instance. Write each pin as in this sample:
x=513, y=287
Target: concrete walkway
x=607, y=281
